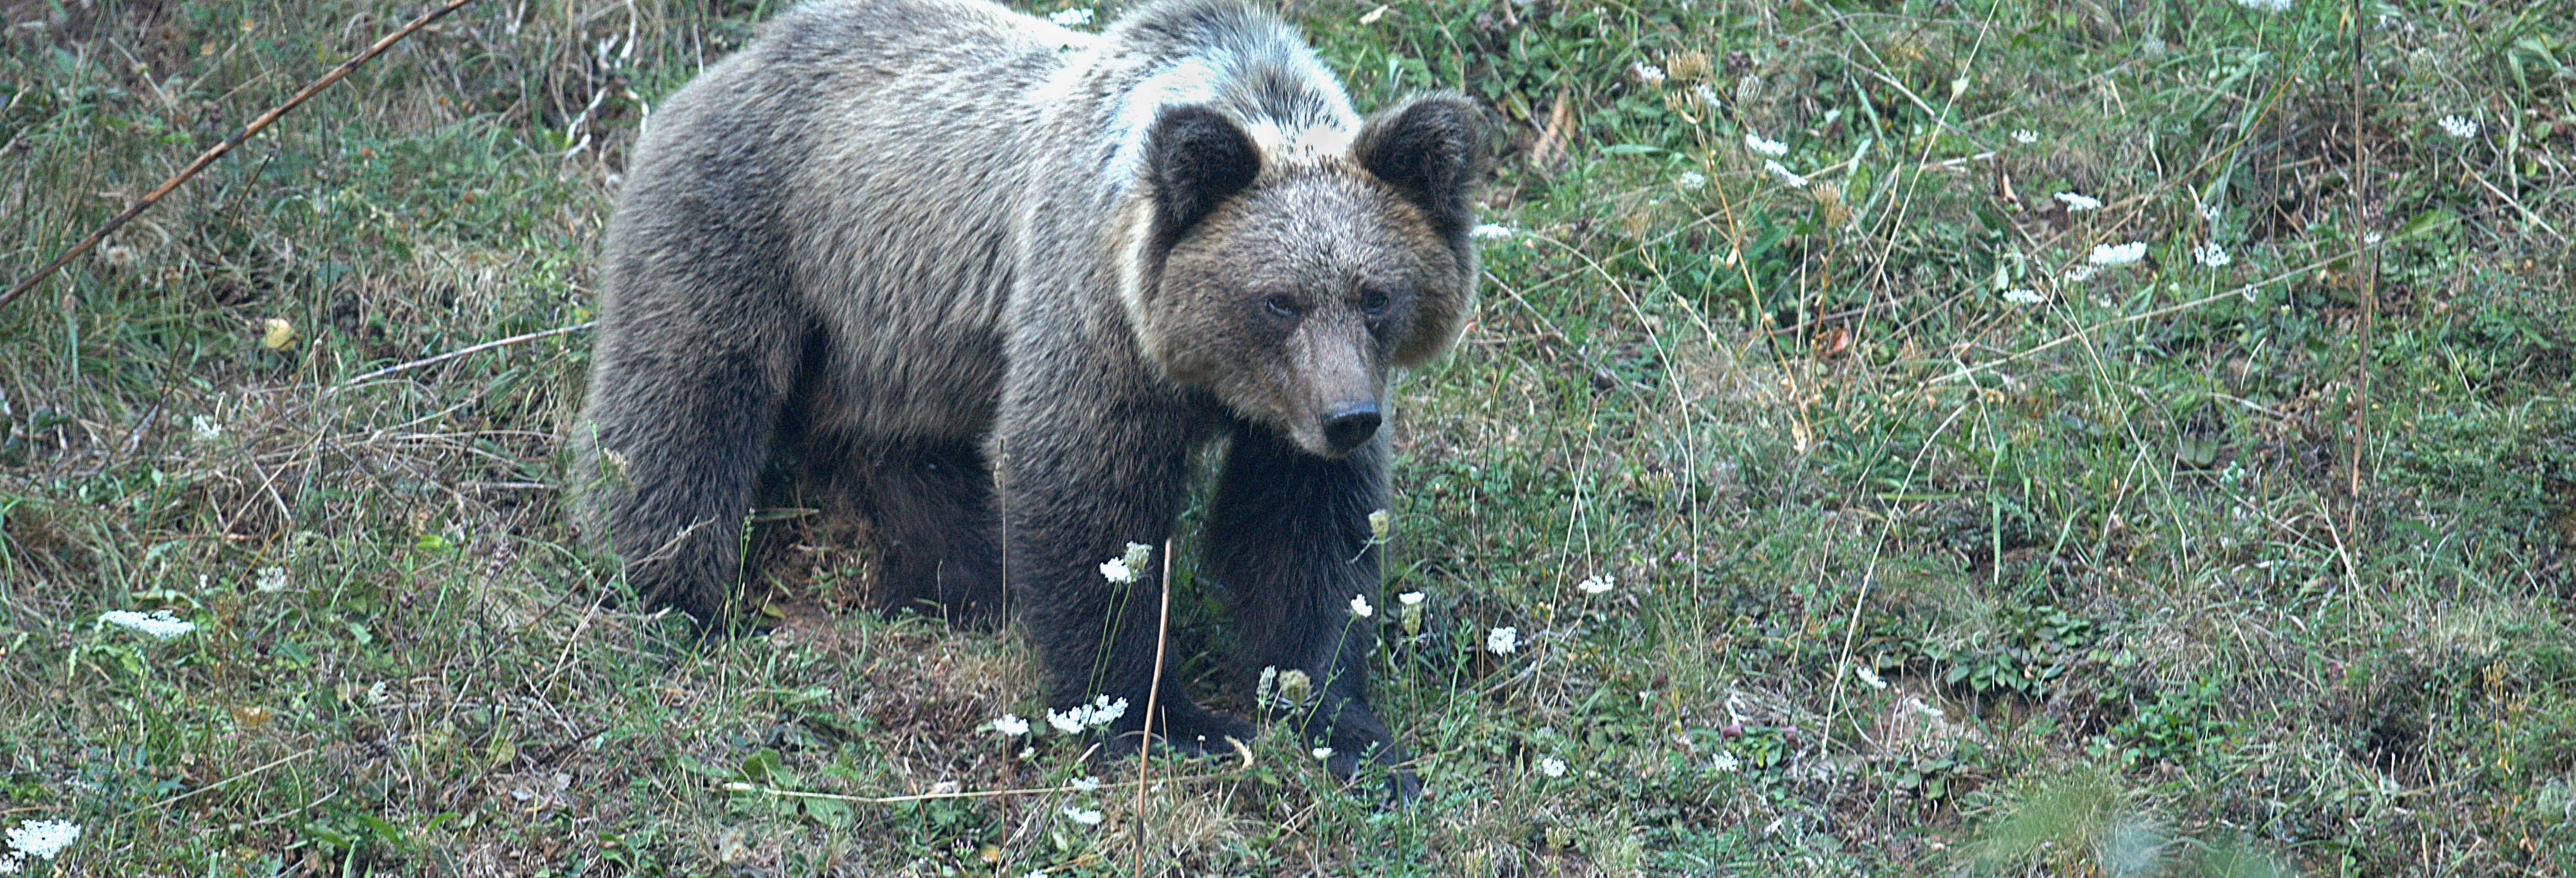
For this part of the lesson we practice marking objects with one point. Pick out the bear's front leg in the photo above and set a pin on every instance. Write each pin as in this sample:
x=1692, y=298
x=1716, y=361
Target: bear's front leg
x=1289, y=539
x=1080, y=478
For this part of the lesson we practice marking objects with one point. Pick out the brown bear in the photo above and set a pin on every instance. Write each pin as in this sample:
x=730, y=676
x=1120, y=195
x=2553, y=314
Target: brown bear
x=1016, y=277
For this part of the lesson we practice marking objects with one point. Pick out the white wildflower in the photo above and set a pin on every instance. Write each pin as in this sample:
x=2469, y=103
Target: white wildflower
x=1360, y=606
x=1037, y=873
x=1011, y=725
x=1322, y=753
x=1725, y=763
x=1597, y=583
x=1503, y=641
x=2209, y=213
x=1086, y=783
x=1084, y=816
x=1691, y=181
x=2461, y=127
x=1068, y=722
x=1646, y=74
x=2247, y=292
x=1105, y=711
x=2076, y=202
x=1786, y=177
x=1870, y=677
x=1380, y=522
x=1115, y=570
x=1028, y=753
x=2080, y=274
x=43, y=838
x=1771, y=149
x=2211, y=255
x=160, y=624
x=1409, y=598
x=12, y=863
x=2025, y=136
x=2265, y=5
x=376, y=692
x=204, y=429
x=271, y=579
x=1707, y=96
x=1552, y=767
x=1490, y=231
x=1071, y=17
x=2024, y=296
x=2118, y=254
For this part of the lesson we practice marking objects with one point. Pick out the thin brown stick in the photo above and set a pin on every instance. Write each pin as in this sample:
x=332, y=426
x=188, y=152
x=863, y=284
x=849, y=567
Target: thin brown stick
x=1241, y=750
x=218, y=150
x=1144, y=745
x=459, y=352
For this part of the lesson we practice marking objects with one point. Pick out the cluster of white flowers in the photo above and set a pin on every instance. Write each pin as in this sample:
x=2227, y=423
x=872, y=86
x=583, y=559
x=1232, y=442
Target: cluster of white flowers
x=2025, y=136
x=1011, y=725
x=2265, y=5
x=1598, y=583
x=160, y=624
x=2209, y=212
x=1380, y=522
x=2211, y=255
x=1502, y=641
x=1725, y=763
x=1124, y=568
x=2024, y=296
x=1283, y=690
x=1322, y=753
x=1770, y=149
x=42, y=839
x=2118, y=254
x=2461, y=127
x=1082, y=815
x=205, y=429
x=1646, y=74
x=1870, y=677
x=1099, y=713
x=1410, y=598
x=1070, y=17
x=2075, y=202
x=1691, y=181
x=1786, y=177
x=1086, y=783
x=1551, y=766
x=1490, y=231
x=1360, y=606
x=271, y=579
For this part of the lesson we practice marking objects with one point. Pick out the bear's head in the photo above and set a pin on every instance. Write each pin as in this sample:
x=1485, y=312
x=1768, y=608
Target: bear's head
x=1287, y=285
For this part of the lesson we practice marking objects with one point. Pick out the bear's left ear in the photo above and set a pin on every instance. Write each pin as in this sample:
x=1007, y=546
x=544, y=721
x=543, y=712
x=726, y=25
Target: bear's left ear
x=1194, y=158
x=1431, y=149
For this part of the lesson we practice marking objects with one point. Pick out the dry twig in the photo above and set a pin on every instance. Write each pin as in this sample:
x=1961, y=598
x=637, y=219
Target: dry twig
x=218, y=150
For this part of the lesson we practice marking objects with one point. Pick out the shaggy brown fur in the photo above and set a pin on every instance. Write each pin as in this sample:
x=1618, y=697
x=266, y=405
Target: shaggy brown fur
x=954, y=248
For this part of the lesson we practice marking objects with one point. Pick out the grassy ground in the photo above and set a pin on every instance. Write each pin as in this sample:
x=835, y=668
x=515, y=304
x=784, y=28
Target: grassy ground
x=1932, y=549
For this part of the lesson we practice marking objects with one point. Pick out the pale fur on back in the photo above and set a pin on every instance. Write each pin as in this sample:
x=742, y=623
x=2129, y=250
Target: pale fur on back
x=933, y=132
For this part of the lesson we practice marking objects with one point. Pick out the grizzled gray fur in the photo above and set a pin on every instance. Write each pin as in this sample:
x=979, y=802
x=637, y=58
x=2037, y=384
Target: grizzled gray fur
x=1009, y=278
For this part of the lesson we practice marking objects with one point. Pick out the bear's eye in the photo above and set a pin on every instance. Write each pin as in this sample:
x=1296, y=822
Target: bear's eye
x=1373, y=303
x=1281, y=306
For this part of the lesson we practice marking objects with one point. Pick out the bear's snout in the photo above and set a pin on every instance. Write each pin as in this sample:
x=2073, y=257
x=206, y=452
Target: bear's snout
x=1350, y=424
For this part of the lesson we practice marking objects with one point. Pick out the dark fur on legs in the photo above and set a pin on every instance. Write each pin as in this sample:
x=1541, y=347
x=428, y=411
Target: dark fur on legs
x=930, y=503
x=1288, y=540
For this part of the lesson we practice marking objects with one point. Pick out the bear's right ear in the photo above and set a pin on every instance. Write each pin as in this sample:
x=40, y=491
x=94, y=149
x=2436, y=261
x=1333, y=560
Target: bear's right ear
x=1194, y=158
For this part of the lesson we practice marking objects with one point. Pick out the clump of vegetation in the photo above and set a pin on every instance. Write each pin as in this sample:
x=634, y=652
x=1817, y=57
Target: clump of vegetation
x=2037, y=437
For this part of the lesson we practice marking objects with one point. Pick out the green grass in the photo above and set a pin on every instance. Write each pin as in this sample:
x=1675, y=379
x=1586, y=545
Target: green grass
x=2266, y=568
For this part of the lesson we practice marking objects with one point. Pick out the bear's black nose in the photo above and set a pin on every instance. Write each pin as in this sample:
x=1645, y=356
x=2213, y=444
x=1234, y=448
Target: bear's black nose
x=1351, y=424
